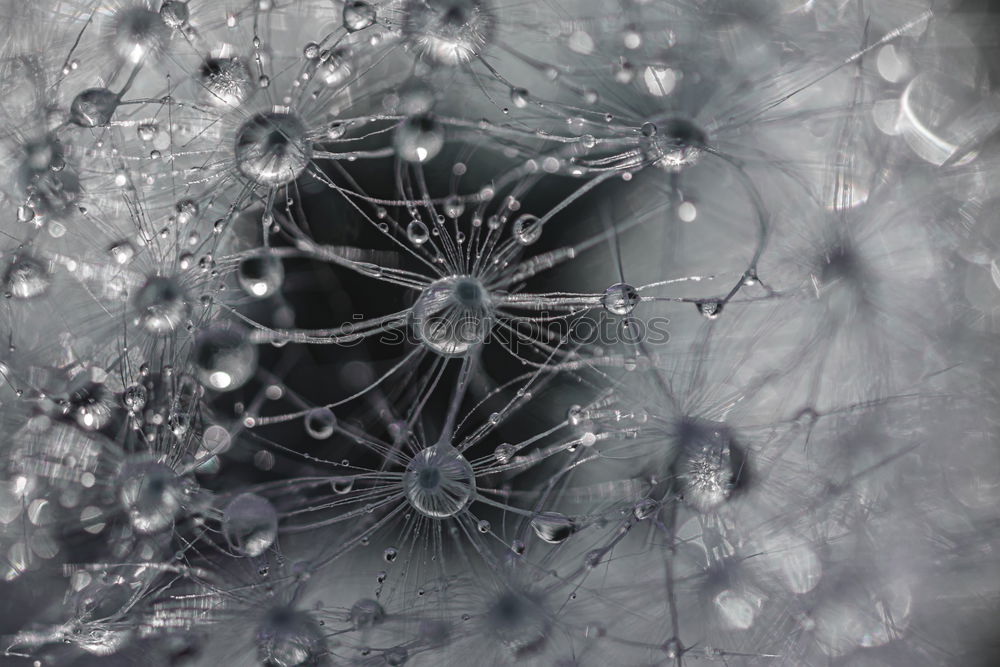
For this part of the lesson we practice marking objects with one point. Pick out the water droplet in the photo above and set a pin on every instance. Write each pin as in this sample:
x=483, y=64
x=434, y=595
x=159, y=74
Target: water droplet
x=26, y=278
x=288, y=637
x=151, y=495
x=439, y=482
x=162, y=305
x=250, y=524
x=139, y=32
x=358, y=15
x=527, y=229
x=620, y=299
x=134, y=398
x=272, y=148
x=504, y=453
x=519, y=97
x=454, y=206
x=366, y=613
x=93, y=107
x=320, y=423
x=390, y=554
x=419, y=138
x=261, y=276
x=225, y=81
x=553, y=527
x=710, y=309
x=417, y=232
x=342, y=485
x=447, y=32
x=174, y=13
x=223, y=358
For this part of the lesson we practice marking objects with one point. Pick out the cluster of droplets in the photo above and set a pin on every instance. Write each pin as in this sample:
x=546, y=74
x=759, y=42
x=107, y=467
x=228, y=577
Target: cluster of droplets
x=420, y=332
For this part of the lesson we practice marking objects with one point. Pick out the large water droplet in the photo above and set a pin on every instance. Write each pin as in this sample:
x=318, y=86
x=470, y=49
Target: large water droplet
x=620, y=299
x=358, y=15
x=417, y=232
x=272, y=148
x=223, y=358
x=26, y=278
x=527, y=229
x=553, y=527
x=320, y=423
x=261, y=276
x=93, y=107
x=250, y=524
x=419, y=138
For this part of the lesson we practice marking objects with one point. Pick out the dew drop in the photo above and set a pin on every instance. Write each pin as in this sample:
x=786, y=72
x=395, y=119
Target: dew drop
x=417, y=232
x=504, y=453
x=710, y=310
x=93, y=107
x=320, y=423
x=250, y=524
x=223, y=358
x=454, y=206
x=620, y=299
x=419, y=139
x=553, y=527
x=358, y=15
x=527, y=229
x=261, y=276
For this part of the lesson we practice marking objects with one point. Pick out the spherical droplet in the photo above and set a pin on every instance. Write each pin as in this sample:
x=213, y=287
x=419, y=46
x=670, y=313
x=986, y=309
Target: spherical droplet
x=26, y=278
x=342, y=485
x=448, y=32
x=519, y=97
x=215, y=439
x=527, y=229
x=419, y=138
x=453, y=315
x=250, y=524
x=674, y=144
x=93, y=107
x=151, y=495
x=390, y=554
x=162, y=305
x=439, y=482
x=504, y=453
x=453, y=206
x=261, y=276
x=366, y=613
x=706, y=464
x=620, y=299
x=320, y=423
x=272, y=148
x=417, y=232
x=174, y=13
x=287, y=637
x=358, y=15
x=519, y=622
x=225, y=81
x=134, y=398
x=223, y=358
x=710, y=310
x=138, y=33
x=553, y=527
x=396, y=656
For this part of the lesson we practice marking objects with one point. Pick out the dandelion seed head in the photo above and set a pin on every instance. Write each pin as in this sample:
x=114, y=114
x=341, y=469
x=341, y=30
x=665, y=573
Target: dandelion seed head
x=448, y=32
